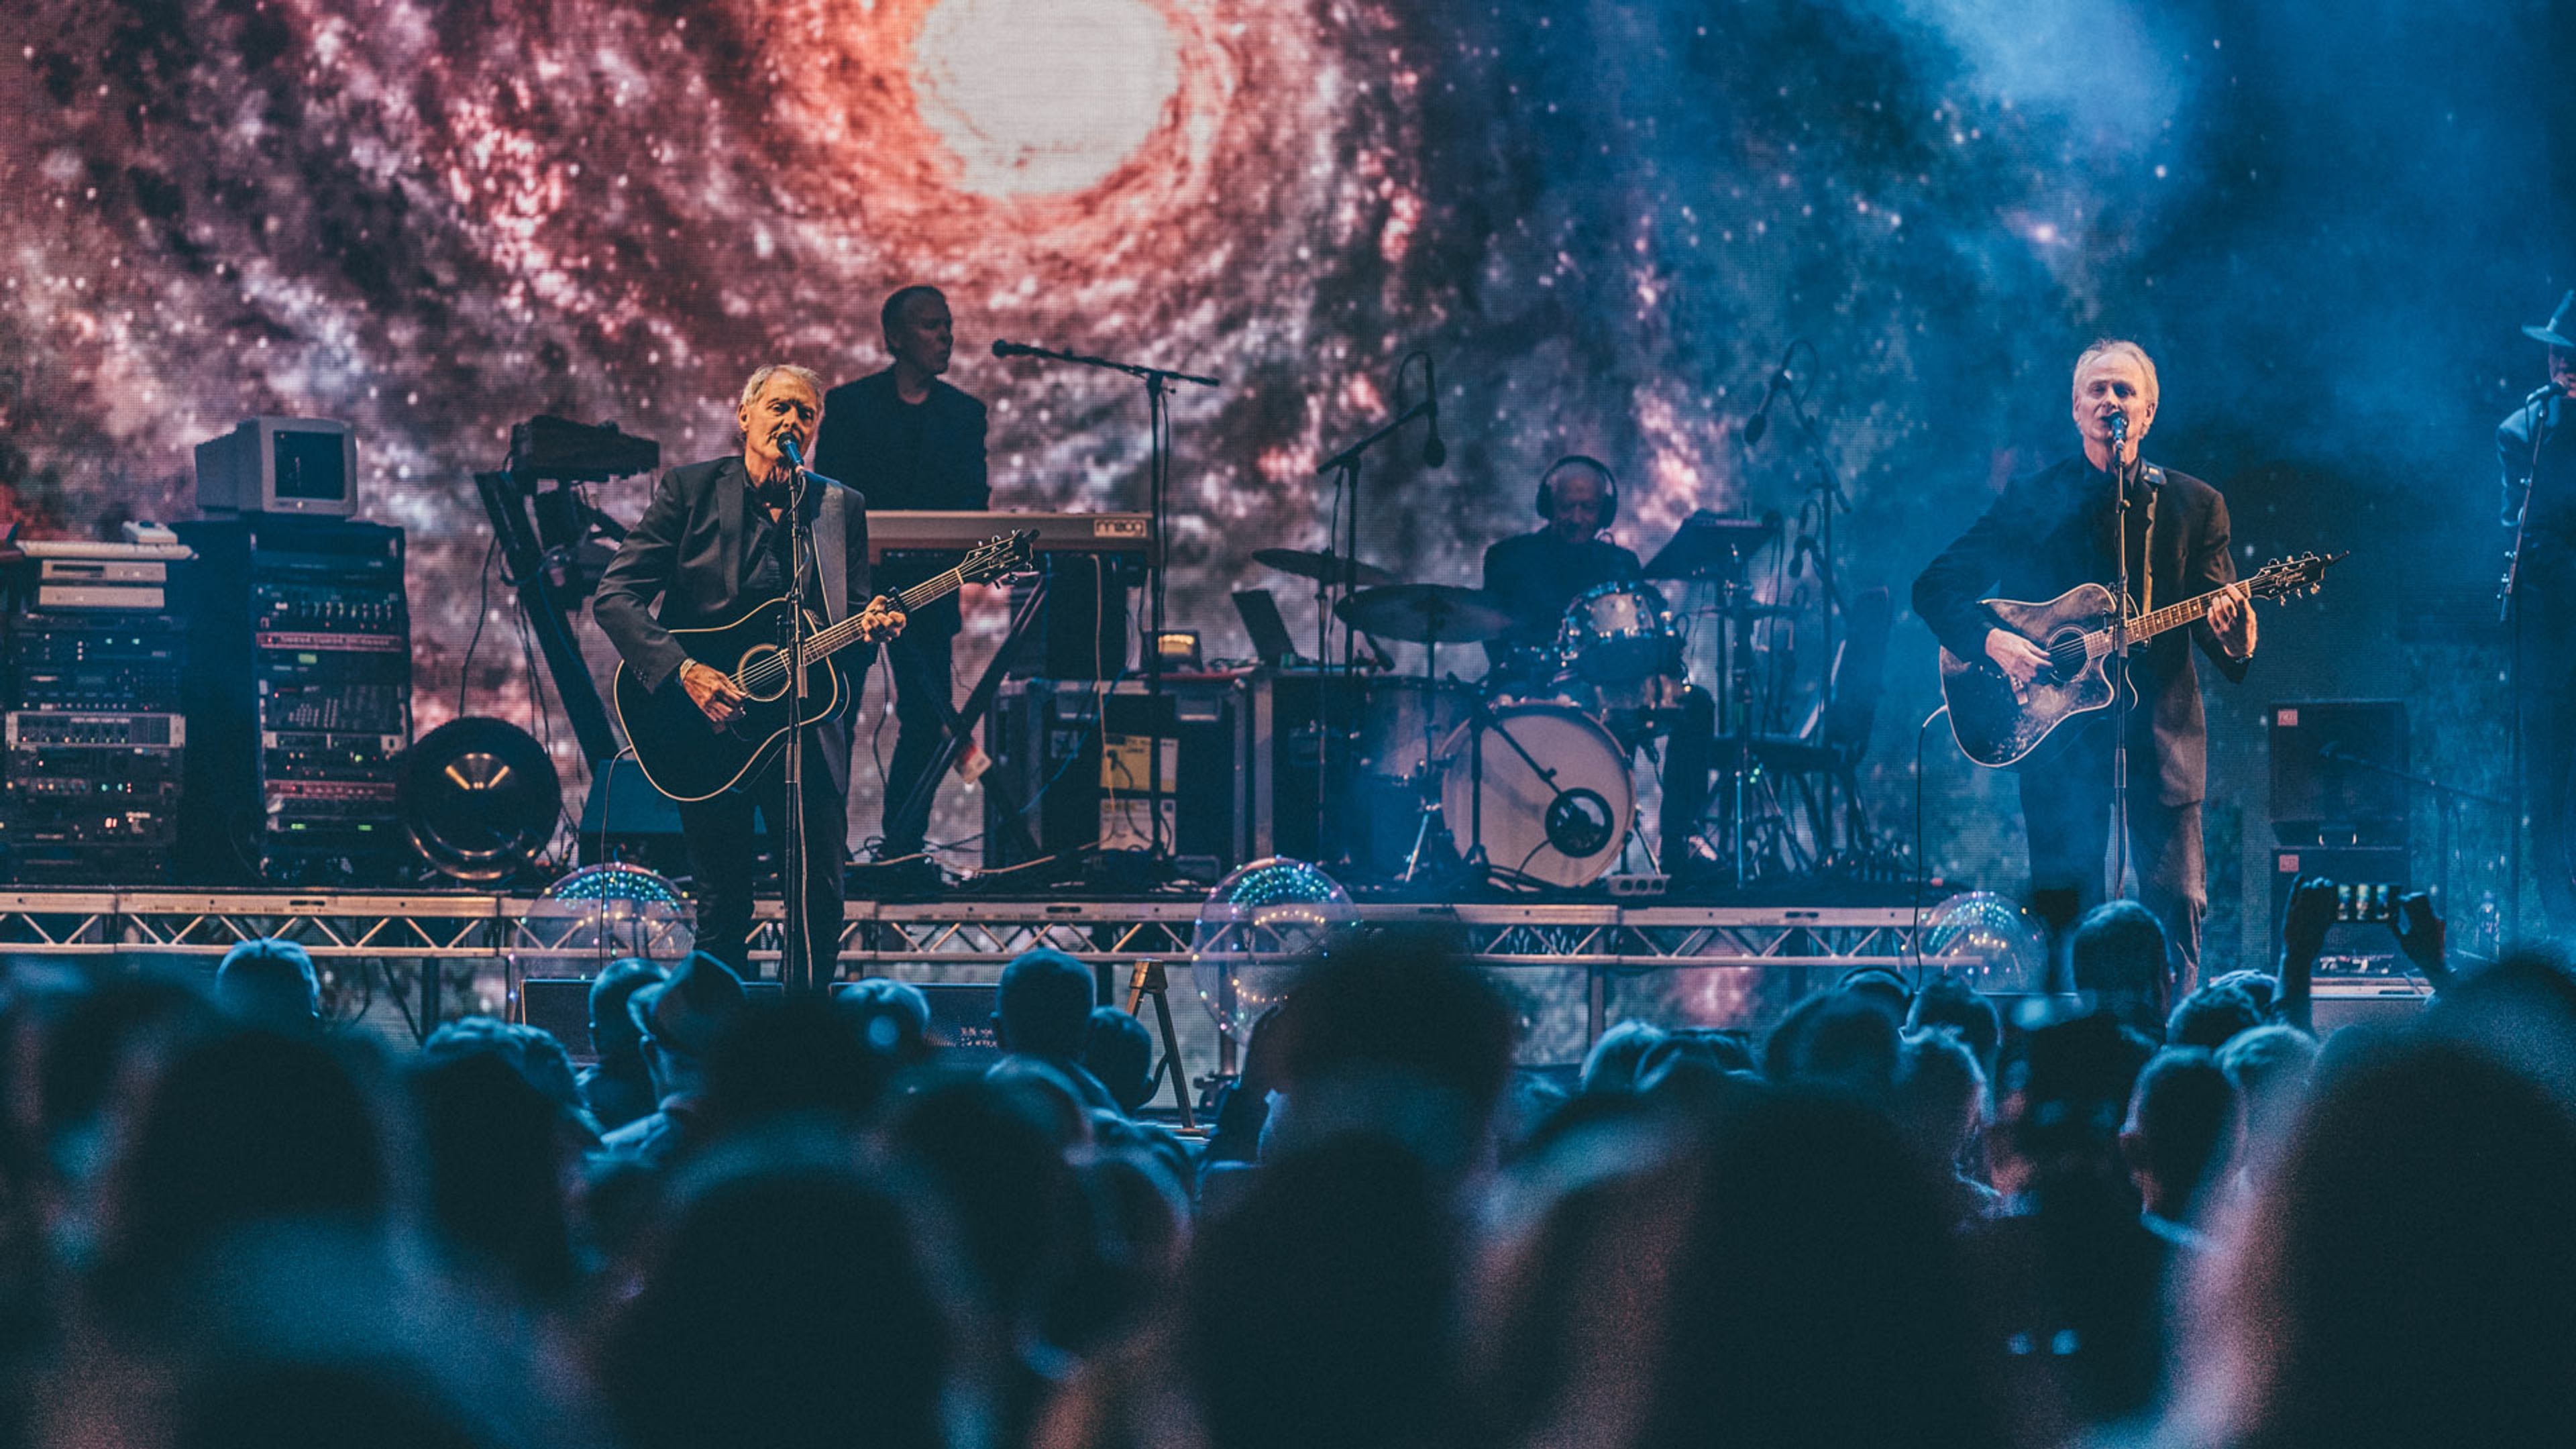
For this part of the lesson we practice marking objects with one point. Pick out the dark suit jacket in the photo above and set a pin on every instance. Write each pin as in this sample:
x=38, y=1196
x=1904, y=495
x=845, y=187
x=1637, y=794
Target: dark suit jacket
x=857, y=445
x=2052, y=530
x=686, y=551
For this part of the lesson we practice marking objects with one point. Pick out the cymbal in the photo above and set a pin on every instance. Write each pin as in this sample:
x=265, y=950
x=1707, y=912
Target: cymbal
x=1322, y=567
x=1425, y=613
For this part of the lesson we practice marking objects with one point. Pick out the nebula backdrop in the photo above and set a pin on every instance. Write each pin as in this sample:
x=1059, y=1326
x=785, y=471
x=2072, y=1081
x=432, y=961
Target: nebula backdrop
x=1606, y=221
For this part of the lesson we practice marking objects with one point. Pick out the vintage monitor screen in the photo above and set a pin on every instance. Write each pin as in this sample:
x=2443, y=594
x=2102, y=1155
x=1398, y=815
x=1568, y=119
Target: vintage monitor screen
x=310, y=465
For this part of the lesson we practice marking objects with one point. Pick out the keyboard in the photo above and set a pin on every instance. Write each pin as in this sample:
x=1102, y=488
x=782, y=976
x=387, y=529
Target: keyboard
x=903, y=530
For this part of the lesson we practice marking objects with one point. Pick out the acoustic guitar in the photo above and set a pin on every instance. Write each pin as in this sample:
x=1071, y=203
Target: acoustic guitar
x=683, y=753
x=1997, y=722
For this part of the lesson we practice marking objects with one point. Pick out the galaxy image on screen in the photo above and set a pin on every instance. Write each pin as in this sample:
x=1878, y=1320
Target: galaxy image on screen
x=1607, y=222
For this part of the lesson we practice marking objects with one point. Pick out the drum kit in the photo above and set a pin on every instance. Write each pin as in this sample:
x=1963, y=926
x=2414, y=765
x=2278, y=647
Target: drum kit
x=1527, y=779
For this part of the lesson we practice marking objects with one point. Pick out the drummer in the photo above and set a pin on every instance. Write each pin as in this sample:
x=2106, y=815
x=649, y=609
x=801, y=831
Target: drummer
x=1534, y=577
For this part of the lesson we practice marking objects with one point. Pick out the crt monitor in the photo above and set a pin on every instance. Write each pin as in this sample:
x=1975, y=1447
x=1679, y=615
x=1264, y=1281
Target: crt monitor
x=280, y=465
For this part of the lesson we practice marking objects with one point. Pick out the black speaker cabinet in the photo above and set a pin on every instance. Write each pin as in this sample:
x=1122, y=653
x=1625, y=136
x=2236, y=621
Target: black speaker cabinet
x=2355, y=948
x=2339, y=771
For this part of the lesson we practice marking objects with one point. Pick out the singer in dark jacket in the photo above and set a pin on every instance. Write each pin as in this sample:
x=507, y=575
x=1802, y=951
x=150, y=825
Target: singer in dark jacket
x=712, y=546
x=910, y=441
x=2538, y=463
x=2049, y=532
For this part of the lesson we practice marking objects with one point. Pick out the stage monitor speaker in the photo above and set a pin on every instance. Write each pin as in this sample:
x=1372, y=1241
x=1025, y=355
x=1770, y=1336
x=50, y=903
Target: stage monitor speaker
x=2339, y=771
x=624, y=818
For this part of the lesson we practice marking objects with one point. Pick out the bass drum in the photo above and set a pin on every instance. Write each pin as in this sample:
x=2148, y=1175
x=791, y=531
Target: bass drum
x=1534, y=833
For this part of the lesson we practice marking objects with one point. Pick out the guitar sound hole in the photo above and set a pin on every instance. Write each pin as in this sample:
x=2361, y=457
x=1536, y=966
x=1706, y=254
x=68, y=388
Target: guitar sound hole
x=2065, y=657
x=763, y=674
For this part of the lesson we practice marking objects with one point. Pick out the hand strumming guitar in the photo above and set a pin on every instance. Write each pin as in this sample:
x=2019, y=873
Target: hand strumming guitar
x=2017, y=657
x=713, y=692
x=880, y=620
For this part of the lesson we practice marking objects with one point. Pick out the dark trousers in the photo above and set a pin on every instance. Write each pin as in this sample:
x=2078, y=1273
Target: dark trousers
x=725, y=856
x=2547, y=674
x=923, y=667
x=1688, y=754
x=2066, y=805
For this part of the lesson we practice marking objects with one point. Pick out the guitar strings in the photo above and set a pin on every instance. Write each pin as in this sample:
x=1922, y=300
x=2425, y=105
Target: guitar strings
x=772, y=667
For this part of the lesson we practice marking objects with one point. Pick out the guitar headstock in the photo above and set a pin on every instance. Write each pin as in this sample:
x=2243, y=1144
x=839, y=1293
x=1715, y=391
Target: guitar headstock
x=2291, y=578
x=1009, y=553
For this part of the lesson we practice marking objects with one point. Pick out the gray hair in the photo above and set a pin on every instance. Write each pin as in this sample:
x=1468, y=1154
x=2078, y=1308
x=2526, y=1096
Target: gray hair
x=2121, y=347
x=805, y=375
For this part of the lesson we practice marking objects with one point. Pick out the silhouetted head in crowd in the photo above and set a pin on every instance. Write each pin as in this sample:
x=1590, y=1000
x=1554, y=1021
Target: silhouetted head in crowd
x=679, y=1019
x=270, y=982
x=1319, y=1309
x=497, y=1151
x=1954, y=1006
x=2263, y=986
x=1393, y=1031
x=2421, y=1211
x=2269, y=1067
x=87, y=1038
x=614, y=1039
x=2118, y=955
x=1611, y=1065
x=2207, y=1018
x=802, y=1055
x=246, y=1127
x=1839, y=1040
x=2521, y=1010
x=891, y=1016
x=993, y=1150
x=531, y=1051
x=1816, y=1298
x=1878, y=985
x=2180, y=1133
x=789, y=1299
x=1120, y=1052
x=2061, y=1097
x=1044, y=1007
x=1940, y=1099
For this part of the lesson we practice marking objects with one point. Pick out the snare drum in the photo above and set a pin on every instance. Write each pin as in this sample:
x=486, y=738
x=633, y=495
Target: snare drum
x=1620, y=632
x=1534, y=832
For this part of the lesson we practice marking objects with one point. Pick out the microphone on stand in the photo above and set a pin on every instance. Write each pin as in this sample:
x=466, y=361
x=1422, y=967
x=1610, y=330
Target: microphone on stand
x=1014, y=349
x=794, y=455
x=1434, y=451
x=1760, y=423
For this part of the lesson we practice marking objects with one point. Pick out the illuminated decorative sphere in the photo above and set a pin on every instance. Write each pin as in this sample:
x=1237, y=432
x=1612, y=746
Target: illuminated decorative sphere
x=1982, y=940
x=602, y=912
x=1258, y=926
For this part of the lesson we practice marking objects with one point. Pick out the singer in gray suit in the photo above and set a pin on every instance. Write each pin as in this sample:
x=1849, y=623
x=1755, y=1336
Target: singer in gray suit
x=712, y=546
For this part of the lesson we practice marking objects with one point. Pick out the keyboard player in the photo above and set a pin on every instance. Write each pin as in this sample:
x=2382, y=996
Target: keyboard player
x=908, y=440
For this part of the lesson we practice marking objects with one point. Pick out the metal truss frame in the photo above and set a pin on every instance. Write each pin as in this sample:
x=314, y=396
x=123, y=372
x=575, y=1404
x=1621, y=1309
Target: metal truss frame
x=475, y=926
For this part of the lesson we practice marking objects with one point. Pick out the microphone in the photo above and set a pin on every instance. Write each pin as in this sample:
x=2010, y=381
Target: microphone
x=2540, y=393
x=1434, y=451
x=1014, y=349
x=1760, y=422
x=787, y=449
x=2119, y=427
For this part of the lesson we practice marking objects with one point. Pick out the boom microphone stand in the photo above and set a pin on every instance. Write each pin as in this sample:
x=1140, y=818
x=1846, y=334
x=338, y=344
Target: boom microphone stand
x=796, y=945
x=2120, y=701
x=1158, y=473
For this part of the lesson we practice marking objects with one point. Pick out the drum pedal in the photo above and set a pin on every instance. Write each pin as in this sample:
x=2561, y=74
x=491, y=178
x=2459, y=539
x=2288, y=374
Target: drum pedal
x=1642, y=886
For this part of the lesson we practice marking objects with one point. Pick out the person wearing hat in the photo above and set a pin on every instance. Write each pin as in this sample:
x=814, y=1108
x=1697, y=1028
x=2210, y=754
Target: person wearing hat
x=268, y=981
x=678, y=1020
x=2538, y=469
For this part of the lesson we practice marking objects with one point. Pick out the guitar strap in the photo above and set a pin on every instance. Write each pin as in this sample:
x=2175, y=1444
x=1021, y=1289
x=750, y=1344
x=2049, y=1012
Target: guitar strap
x=2154, y=478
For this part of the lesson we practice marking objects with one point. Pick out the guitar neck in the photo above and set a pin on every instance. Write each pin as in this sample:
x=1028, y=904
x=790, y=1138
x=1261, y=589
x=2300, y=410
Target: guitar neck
x=842, y=635
x=2143, y=627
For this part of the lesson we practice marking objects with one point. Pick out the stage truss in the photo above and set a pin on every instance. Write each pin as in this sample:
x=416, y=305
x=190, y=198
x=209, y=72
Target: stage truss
x=484, y=945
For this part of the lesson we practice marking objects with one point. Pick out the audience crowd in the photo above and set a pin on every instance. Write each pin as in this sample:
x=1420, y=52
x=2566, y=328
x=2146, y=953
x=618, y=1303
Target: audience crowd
x=1897, y=1217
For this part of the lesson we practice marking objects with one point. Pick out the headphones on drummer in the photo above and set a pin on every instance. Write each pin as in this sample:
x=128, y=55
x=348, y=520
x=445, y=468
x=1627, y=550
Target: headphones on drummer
x=1546, y=503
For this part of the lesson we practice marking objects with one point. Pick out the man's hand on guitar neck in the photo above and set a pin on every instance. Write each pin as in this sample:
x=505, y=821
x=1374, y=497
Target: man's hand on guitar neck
x=713, y=691
x=2017, y=657
x=2231, y=618
x=880, y=620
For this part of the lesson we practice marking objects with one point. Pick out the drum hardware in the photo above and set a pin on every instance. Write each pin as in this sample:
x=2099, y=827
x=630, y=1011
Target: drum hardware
x=1561, y=826
x=1321, y=567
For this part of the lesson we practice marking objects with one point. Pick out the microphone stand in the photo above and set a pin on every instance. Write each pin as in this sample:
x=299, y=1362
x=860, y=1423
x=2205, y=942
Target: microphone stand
x=2509, y=613
x=1345, y=464
x=2120, y=697
x=796, y=948
x=1158, y=473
